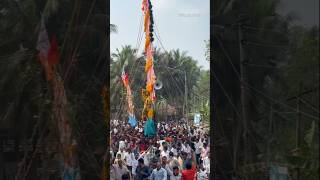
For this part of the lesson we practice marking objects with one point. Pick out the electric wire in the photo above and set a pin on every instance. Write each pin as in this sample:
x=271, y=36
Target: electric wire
x=251, y=87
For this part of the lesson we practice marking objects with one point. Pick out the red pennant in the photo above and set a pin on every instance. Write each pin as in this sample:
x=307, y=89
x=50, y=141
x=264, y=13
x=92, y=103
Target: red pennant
x=53, y=54
x=125, y=79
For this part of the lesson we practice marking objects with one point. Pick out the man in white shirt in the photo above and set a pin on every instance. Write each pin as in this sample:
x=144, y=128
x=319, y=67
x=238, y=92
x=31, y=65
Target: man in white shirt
x=175, y=174
x=119, y=170
x=161, y=142
x=199, y=146
x=129, y=158
x=205, y=158
x=116, y=122
x=140, y=130
x=165, y=152
x=202, y=174
x=122, y=145
x=135, y=165
x=166, y=164
x=183, y=148
x=159, y=173
x=115, y=131
x=166, y=127
x=122, y=154
x=186, y=148
x=174, y=150
x=173, y=161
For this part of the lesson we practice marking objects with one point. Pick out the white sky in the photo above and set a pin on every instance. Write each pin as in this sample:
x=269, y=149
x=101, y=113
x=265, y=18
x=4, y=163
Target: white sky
x=182, y=24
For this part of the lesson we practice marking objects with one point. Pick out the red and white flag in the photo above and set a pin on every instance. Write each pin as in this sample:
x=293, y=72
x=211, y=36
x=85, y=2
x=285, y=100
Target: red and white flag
x=43, y=44
x=53, y=54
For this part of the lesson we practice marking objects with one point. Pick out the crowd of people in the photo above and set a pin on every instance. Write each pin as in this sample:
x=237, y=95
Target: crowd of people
x=177, y=152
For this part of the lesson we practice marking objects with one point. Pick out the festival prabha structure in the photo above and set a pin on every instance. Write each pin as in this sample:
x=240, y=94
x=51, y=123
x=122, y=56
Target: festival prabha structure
x=49, y=58
x=148, y=94
x=125, y=80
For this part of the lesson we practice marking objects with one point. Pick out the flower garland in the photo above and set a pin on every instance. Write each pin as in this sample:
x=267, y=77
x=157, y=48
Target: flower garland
x=148, y=94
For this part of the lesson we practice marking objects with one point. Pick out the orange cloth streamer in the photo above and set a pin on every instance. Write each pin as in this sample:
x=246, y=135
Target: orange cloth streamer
x=48, y=70
x=149, y=87
x=148, y=64
x=146, y=21
x=147, y=43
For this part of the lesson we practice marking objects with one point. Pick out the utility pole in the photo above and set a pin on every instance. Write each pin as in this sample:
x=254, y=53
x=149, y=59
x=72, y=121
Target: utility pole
x=244, y=101
x=2, y=162
x=186, y=98
x=269, y=135
x=298, y=127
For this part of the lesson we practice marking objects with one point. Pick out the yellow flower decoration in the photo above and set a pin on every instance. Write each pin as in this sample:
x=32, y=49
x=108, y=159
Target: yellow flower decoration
x=150, y=113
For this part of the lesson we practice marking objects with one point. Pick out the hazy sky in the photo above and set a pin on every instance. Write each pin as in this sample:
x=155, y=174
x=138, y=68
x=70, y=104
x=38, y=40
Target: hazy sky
x=306, y=10
x=182, y=24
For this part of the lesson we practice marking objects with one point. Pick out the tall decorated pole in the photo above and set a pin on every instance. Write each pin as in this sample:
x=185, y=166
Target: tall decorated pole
x=148, y=94
x=49, y=58
x=125, y=80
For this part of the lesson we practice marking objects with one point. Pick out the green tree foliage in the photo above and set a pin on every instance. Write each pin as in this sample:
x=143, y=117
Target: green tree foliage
x=301, y=74
x=278, y=58
x=170, y=68
x=26, y=97
x=207, y=53
x=201, y=92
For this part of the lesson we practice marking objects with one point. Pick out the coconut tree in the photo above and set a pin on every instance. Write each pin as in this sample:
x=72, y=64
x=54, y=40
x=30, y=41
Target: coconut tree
x=124, y=59
x=265, y=28
x=170, y=68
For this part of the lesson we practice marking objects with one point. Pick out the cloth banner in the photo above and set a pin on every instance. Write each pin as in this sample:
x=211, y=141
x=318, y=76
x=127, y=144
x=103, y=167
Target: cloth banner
x=132, y=119
x=197, y=119
x=149, y=128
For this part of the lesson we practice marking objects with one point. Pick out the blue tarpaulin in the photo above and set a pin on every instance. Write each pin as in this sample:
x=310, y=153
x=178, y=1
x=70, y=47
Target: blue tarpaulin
x=132, y=121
